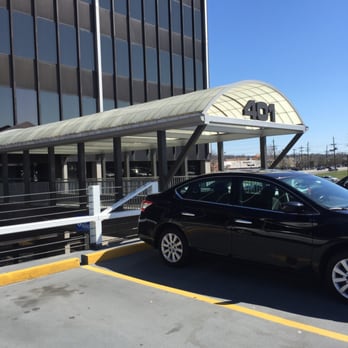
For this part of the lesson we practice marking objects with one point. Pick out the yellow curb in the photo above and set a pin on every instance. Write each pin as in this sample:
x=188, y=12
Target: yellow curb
x=38, y=271
x=112, y=253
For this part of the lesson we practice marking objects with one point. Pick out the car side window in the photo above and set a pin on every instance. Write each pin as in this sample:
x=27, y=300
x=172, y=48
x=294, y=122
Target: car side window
x=263, y=195
x=217, y=190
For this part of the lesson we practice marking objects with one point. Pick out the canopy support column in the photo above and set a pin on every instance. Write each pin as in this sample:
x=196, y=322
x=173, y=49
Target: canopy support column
x=52, y=175
x=286, y=150
x=192, y=141
x=263, y=152
x=82, y=173
x=118, y=167
x=162, y=160
x=221, y=159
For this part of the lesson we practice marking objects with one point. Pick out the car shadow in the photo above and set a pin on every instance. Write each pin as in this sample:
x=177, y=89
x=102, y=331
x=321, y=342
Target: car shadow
x=236, y=282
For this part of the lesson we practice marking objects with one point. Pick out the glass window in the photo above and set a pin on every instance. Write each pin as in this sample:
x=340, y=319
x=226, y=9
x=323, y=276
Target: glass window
x=198, y=25
x=122, y=103
x=89, y=105
x=68, y=48
x=47, y=40
x=6, y=109
x=151, y=64
x=121, y=6
x=107, y=54
x=122, y=58
x=23, y=35
x=163, y=18
x=105, y=4
x=109, y=104
x=177, y=71
x=87, y=49
x=4, y=32
x=135, y=9
x=187, y=13
x=71, y=106
x=137, y=62
x=210, y=190
x=189, y=81
x=199, y=74
x=49, y=107
x=150, y=11
x=26, y=106
x=176, y=17
x=165, y=67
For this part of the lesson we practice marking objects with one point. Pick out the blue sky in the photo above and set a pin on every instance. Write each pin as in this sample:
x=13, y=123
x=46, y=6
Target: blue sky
x=298, y=46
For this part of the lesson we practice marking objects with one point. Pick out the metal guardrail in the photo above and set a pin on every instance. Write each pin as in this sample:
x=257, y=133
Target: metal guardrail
x=55, y=222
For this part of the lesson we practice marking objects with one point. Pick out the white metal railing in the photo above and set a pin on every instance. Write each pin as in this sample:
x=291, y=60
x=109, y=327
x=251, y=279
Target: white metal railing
x=95, y=217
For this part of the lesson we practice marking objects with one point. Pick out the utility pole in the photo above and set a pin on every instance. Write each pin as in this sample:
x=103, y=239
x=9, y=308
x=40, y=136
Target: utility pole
x=333, y=149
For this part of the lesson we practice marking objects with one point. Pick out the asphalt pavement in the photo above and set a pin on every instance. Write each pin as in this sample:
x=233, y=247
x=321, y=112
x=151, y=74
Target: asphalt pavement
x=126, y=296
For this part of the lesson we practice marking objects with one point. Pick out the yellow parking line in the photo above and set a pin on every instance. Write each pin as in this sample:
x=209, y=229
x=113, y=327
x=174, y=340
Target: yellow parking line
x=258, y=314
x=38, y=271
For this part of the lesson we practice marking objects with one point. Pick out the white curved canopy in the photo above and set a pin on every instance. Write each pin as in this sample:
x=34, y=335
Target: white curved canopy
x=220, y=109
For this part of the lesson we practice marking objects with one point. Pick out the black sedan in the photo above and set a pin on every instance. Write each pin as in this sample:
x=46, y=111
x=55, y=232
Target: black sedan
x=281, y=218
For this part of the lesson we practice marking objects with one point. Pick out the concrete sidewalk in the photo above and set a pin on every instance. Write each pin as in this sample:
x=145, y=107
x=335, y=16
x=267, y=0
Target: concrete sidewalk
x=42, y=267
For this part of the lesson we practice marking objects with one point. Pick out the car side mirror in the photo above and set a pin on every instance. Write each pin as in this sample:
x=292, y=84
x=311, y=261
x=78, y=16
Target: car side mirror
x=293, y=207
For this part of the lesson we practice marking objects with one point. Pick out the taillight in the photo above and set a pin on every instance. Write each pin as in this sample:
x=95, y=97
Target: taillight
x=145, y=204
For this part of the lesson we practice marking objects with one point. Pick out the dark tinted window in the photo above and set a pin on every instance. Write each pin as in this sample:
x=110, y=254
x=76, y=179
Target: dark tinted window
x=4, y=32
x=176, y=17
x=137, y=62
x=151, y=64
x=47, y=43
x=89, y=105
x=177, y=71
x=87, y=49
x=217, y=190
x=165, y=67
x=107, y=54
x=198, y=25
x=26, y=105
x=122, y=59
x=135, y=9
x=199, y=74
x=121, y=6
x=189, y=81
x=68, y=49
x=23, y=35
x=150, y=11
x=262, y=195
x=105, y=4
x=71, y=106
x=163, y=19
x=187, y=13
x=49, y=107
x=6, y=109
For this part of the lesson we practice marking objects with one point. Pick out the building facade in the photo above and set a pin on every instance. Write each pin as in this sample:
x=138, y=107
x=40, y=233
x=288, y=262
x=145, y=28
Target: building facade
x=61, y=59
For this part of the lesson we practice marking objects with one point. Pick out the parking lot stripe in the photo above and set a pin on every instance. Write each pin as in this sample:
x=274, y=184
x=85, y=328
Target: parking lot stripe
x=248, y=311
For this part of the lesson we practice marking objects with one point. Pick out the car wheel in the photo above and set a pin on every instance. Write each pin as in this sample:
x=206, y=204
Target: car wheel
x=173, y=247
x=337, y=275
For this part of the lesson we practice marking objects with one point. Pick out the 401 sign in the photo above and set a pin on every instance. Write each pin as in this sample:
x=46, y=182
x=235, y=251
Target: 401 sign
x=259, y=111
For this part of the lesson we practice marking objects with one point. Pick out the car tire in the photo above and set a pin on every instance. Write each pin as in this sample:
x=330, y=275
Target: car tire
x=173, y=247
x=337, y=275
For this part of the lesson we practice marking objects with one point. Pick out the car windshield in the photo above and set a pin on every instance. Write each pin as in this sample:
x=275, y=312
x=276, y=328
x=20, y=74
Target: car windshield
x=320, y=190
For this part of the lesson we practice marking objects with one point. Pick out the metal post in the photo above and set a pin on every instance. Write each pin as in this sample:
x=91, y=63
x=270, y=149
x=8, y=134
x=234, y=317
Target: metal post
x=162, y=159
x=221, y=156
x=95, y=231
x=263, y=152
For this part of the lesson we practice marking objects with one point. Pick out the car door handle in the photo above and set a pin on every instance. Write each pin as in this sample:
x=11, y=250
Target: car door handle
x=242, y=221
x=188, y=214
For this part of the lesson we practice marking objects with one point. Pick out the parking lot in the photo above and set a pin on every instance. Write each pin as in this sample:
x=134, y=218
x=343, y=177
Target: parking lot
x=137, y=301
